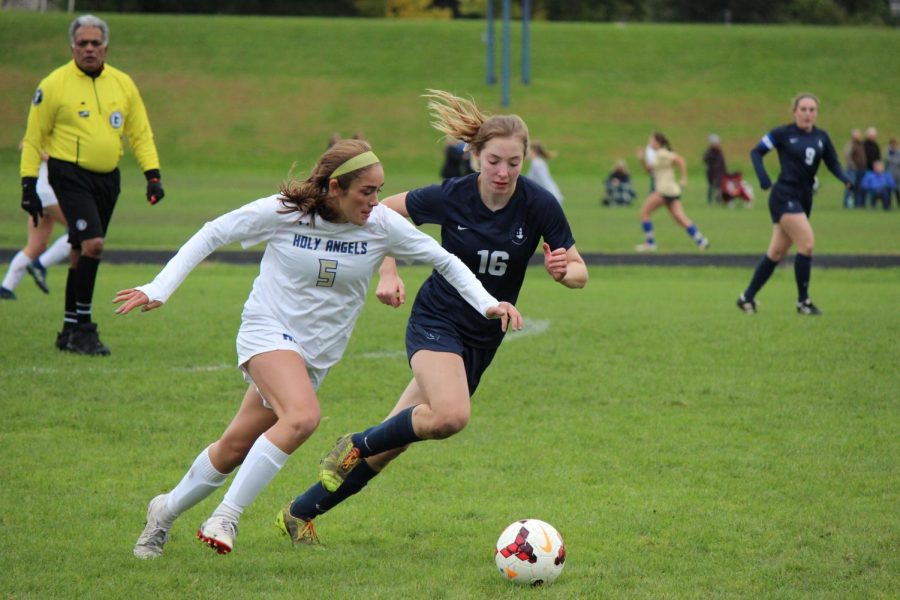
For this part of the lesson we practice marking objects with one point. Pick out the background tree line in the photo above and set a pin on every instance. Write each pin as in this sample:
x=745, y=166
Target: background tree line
x=820, y=12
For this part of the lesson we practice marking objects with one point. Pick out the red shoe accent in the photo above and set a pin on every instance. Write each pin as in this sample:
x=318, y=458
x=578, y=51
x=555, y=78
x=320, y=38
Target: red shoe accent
x=212, y=543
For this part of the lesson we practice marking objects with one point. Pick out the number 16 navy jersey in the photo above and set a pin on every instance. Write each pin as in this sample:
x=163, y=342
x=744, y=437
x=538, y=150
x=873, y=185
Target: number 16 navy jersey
x=495, y=245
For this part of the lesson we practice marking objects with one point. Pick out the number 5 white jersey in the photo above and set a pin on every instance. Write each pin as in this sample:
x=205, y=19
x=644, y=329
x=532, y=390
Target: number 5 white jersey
x=313, y=278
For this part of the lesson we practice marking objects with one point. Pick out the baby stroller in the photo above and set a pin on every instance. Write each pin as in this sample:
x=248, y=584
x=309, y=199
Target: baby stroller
x=734, y=187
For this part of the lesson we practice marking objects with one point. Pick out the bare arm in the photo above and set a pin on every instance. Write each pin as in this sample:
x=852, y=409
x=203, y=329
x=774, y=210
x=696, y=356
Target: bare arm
x=390, y=289
x=566, y=266
x=682, y=168
x=397, y=203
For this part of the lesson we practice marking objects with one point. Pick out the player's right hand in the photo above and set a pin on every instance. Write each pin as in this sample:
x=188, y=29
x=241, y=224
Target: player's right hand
x=31, y=202
x=509, y=316
x=132, y=299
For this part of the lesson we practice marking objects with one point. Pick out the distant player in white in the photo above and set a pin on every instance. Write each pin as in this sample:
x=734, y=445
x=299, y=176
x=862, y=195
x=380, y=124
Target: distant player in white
x=326, y=237
x=35, y=257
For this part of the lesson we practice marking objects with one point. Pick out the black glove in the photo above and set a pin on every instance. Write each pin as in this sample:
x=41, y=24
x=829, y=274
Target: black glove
x=155, y=191
x=31, y=202
x=850, y=186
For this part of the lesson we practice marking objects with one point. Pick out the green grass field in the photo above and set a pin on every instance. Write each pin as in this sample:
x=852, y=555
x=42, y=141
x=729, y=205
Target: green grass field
x=235, y=101
x=682, y=449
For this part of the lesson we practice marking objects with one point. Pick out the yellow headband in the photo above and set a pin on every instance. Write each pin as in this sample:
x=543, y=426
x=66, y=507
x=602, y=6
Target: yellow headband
x=357, y=162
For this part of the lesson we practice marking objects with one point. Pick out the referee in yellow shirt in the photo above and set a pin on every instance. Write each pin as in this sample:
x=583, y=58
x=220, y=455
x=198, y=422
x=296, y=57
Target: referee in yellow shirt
x=79, y=114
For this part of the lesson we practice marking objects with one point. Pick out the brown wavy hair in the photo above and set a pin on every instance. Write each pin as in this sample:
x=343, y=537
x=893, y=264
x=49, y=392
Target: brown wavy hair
x=462, y=119
x=662, y=140
x=310, y=196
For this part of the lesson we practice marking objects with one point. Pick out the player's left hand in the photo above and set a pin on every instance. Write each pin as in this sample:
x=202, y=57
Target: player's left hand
x=556, y=262
x=155, y=191
x=390, y=290
x=132, y=299
x=508, y=314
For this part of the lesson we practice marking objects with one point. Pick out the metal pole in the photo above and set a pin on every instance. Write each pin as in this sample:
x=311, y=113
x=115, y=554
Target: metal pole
x=504, y=75
x=491, y=76
x=526, y=42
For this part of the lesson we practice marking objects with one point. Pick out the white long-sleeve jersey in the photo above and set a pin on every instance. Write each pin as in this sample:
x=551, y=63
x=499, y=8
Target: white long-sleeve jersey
x=313, y=280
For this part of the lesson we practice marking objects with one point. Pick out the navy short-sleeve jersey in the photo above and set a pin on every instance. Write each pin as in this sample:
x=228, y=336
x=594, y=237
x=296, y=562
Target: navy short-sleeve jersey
x=799, y=154
x=496, y=246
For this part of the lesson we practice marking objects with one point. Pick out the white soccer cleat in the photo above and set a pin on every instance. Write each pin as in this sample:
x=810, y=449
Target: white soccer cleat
x=645, y=247
x=218, y=533
x=153, y=539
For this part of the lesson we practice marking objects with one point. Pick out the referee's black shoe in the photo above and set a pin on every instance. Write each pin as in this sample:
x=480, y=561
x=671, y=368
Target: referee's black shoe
x=85, y=340
x=63, y=337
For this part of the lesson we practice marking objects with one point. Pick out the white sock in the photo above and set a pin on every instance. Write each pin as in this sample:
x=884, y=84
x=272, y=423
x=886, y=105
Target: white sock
x=56, y=253
x=201, y=480
x=16, y=270
x=263, y=462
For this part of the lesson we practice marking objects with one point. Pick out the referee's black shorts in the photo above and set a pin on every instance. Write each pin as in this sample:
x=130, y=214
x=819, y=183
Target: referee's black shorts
x=87, y=199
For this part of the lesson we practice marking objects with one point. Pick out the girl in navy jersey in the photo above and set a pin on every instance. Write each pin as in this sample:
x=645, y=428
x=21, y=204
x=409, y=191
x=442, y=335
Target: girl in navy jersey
x=325, y=238
x=801, y=146
x=494, y=222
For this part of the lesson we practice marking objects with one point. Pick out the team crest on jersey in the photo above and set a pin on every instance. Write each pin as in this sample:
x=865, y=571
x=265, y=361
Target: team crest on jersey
x=80, y=224
x=116, y=119
x=518, y=235
x=38, y=96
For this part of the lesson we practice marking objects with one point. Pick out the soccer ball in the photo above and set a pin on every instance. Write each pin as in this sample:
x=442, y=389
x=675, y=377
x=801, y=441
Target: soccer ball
x=530, y=552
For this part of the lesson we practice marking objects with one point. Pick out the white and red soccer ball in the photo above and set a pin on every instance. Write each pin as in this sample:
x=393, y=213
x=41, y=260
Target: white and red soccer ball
x=530, y=552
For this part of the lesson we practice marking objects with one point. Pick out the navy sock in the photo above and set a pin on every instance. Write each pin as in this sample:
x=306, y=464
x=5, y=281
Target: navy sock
x=70, y=318
x=85, y=277
x=761, y=275
x=802, y=267
x=317, y=500
x=395, y=432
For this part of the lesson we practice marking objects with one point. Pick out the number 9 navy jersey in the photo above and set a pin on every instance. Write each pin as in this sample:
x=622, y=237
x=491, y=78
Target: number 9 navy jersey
x=799, y=154
x=496, y=245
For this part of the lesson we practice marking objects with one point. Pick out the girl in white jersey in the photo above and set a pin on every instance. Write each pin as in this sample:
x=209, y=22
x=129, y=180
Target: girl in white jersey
x=326, y=237
x=35, y=257
x=666, y=192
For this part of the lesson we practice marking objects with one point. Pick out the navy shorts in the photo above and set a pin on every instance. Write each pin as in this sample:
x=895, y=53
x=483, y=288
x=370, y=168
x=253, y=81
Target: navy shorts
x=87, y=199
x=786, y=200
x=438, y=336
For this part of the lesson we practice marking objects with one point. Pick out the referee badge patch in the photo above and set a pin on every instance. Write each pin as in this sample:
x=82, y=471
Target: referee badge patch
x=38, y=96
x=115, y=119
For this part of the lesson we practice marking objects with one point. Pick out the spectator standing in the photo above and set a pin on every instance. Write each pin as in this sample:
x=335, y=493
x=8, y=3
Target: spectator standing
x=873, y=150
x=456, y=159
x=892, y=164
x=855, y=161
x=879, y=185
x=79, y=115
x=714, y=159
